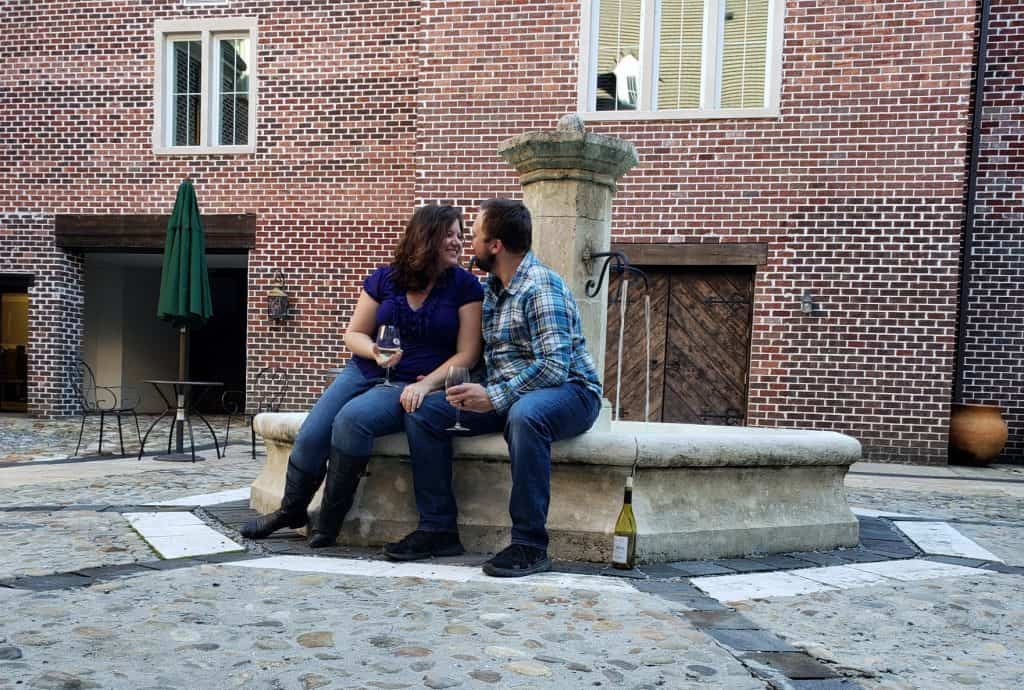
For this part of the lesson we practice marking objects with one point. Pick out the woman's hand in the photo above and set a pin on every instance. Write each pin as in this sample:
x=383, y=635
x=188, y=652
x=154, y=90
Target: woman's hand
x=413, y=394
x=391, y=361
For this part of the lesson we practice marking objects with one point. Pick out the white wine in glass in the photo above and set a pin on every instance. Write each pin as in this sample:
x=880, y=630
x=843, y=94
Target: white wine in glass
x=456, y=376
x=389, y=343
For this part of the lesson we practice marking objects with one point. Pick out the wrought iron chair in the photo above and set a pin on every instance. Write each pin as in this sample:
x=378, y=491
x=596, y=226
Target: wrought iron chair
x=103, y=401
x=271, y=386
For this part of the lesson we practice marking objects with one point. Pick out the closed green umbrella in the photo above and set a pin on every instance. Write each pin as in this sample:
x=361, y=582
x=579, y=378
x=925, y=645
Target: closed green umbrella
x=184, y=281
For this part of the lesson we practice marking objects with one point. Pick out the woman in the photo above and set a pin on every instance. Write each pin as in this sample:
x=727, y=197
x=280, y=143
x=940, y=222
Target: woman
x=435, y=304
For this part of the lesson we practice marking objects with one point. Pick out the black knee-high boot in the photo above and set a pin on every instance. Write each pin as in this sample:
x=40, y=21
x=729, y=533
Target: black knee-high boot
x=299, y=487
x=343, y=475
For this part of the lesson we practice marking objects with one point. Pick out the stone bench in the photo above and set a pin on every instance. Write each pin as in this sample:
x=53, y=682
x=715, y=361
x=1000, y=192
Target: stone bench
x=700, y=491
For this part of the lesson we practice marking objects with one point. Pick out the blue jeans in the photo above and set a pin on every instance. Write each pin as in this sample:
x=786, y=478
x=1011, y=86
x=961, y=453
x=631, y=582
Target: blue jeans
x=350, y=413
x=533, y=422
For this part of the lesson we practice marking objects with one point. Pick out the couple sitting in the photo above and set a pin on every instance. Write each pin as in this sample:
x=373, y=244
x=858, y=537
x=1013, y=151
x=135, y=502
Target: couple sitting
x=540, y=385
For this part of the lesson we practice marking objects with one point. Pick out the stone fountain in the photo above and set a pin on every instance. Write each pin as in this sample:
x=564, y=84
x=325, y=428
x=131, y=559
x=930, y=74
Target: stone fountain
x=700, y=491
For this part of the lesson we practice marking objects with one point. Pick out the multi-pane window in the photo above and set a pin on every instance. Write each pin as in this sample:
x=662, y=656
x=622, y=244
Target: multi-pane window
x=205, y=86
x=686, y=58
x=233, y=116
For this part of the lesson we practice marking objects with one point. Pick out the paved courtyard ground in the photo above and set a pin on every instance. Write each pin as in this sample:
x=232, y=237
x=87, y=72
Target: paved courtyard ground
x=118, y=573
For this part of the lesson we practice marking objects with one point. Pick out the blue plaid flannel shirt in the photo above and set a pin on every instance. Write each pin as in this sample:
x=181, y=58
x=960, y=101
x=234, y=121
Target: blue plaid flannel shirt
x=532, y=335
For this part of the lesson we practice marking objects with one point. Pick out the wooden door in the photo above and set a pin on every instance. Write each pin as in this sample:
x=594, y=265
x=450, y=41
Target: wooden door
x=633, y=346
x=700, y=345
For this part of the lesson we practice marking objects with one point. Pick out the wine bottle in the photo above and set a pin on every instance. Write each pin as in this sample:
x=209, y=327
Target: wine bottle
x=624, y=541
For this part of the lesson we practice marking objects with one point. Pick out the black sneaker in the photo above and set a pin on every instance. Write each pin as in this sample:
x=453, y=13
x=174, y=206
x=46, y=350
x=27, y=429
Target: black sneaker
x=518, y=560
x=422, y=544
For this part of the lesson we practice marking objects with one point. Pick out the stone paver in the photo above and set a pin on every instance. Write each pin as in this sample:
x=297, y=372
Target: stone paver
x=86, y=617
x=40, y=543
x=219, y=626
x=942, y=633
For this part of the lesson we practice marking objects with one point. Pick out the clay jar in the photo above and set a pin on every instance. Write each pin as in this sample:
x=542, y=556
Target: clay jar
x=977, y=434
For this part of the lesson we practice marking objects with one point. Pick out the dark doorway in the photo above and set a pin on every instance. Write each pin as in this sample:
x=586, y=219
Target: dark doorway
x=217, y=350
x=13, y=348
x=700, y=345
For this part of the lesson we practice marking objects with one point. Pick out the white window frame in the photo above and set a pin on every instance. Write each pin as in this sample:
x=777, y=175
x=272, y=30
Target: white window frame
x=710, y=67
x=207, y=32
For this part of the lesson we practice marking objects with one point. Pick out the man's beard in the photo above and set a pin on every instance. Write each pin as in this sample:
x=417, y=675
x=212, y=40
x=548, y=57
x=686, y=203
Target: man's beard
x=485, y=263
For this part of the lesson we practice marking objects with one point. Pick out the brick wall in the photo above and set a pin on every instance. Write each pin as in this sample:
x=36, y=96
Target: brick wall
x=994, y=347
x=54, y=307
x=857, y=189
x=331, y=182
x=368, y=108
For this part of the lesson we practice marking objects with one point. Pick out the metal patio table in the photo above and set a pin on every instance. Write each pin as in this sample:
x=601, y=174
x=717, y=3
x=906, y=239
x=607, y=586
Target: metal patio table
x=183, y=408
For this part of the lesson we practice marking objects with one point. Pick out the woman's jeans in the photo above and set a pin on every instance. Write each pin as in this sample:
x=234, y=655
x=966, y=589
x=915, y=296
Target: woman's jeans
x=350, y=413
x=533, y=422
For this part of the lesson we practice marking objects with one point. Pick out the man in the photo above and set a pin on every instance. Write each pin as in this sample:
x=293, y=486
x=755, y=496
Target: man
x=541, y=386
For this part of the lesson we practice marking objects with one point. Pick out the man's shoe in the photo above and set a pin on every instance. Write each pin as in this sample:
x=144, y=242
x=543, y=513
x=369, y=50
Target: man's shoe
x=518, y=560
x=423, y=544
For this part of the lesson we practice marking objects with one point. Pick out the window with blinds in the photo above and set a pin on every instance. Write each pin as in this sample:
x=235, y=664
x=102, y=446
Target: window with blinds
x=680, y=45
x=682, y=58
x=618, y=55
x=744, y=53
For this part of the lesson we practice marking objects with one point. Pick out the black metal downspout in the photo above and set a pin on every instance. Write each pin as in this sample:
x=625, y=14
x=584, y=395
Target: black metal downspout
x=972, y=191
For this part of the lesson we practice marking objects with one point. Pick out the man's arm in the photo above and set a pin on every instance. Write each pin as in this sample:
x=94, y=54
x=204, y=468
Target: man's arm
x=548, y=317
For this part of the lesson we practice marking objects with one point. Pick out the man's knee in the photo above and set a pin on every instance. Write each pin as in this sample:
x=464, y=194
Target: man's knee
x=525, y=418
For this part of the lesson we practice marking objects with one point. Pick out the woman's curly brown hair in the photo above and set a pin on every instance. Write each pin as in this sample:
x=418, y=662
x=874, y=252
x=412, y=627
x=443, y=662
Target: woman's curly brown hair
x=416, y=265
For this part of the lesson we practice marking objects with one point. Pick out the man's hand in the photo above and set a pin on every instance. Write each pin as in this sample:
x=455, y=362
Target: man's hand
x=470, y=396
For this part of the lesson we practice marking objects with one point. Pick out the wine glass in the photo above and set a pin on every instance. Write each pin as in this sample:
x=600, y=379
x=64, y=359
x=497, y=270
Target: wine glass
x=389, y=343
x=456, y=376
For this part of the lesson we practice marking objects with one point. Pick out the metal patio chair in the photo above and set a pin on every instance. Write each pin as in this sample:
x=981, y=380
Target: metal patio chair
x=103, y=401
x=270, y=386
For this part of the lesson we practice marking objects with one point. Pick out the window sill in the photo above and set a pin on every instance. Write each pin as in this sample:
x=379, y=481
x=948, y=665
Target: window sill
x=202, y=150
x=725, y=114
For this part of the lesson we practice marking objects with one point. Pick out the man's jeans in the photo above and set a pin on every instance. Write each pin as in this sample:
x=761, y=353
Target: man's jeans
x=350, y=413
x=535, y=420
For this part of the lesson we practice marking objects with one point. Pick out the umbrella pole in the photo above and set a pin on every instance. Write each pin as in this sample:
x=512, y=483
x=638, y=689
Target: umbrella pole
x=180, y=416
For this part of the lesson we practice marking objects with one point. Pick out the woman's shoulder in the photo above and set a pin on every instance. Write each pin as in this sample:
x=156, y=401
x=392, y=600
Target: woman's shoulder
x=380, y=283
x=465, y=282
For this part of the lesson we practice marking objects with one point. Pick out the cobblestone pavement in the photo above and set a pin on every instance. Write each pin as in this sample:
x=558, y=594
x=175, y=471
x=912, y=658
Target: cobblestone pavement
x=24, y=438
x=91, y=605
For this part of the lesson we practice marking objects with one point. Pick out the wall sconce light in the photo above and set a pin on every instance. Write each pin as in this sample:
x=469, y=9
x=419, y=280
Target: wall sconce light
x=277, y=299
x=808, y=306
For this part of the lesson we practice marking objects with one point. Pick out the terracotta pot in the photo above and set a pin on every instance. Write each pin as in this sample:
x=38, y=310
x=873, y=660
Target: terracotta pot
x=977, y=434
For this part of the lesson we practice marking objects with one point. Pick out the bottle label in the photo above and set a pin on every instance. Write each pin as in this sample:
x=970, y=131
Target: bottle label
x=620, y=549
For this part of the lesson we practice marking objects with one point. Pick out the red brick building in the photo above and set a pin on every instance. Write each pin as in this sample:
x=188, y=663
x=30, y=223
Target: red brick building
x=803, y=163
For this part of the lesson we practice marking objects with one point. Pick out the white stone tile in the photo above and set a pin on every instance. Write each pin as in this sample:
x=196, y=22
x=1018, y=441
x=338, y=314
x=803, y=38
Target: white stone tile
x=868, y=512
x=213, y=499
x=162, y=524
x=430, y=571
x=841, y=576
x=757, y=586
x=199, y=542
x=594, y=583
x=913, y=570
x=941, y=538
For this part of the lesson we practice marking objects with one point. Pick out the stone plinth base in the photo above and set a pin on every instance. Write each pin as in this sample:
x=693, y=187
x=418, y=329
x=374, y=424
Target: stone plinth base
x=700, y=491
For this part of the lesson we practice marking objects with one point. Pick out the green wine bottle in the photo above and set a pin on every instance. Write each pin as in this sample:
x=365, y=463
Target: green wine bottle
x=624, y=541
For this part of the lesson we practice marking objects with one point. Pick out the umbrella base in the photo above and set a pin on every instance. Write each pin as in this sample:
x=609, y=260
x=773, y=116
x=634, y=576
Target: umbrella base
x=178, y=457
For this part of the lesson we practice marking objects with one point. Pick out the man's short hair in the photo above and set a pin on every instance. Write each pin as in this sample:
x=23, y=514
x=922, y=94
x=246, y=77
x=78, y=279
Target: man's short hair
x=508, y=221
